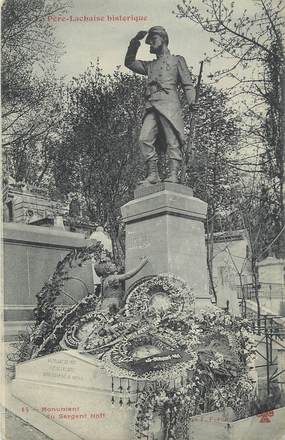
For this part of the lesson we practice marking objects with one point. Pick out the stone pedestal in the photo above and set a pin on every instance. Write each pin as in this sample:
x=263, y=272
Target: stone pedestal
x=165, y=223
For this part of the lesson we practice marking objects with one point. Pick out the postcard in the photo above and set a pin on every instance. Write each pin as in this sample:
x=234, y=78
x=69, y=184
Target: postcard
x=142, y=220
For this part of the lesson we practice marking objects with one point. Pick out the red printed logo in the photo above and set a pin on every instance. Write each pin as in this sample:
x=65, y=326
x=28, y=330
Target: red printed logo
x=265, y=417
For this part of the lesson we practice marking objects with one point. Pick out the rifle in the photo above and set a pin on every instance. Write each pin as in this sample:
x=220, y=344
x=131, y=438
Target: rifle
x=189, y=147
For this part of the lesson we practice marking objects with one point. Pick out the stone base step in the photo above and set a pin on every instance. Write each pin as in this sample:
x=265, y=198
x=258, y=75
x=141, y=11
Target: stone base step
x=48, y=427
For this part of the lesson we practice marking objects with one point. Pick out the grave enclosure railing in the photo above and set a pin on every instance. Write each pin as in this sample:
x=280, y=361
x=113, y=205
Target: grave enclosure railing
x=270, y=335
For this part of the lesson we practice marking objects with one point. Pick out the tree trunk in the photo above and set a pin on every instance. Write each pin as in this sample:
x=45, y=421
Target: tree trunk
x=255, y=283
x=282, y=164
x=210, y=252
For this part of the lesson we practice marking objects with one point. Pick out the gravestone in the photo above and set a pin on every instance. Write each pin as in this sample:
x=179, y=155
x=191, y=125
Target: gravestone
x=74, y=392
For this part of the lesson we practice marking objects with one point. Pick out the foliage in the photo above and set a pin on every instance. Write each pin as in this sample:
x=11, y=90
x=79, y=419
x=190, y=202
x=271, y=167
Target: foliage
x=251, y=45
x=99, y=157
x=30, y=93
x=216, y=141
x=210, y=173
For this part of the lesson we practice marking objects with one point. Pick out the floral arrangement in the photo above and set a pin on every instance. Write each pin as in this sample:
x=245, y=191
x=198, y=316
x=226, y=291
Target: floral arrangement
x=52, y=288
x=146, y=354
x=160, y=296
x=193, y=363
x=82, y=328
x=217, y=380
x=51, y=322
x=140, y=343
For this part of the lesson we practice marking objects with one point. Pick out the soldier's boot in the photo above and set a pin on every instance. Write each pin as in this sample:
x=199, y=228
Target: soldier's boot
x=174, y=166
x=152, y=173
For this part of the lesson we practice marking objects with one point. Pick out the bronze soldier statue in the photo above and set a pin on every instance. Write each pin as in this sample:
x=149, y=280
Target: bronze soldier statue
x=163, y=126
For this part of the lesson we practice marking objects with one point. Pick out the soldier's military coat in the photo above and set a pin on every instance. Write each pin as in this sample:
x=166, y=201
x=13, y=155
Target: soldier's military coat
x=164, y=74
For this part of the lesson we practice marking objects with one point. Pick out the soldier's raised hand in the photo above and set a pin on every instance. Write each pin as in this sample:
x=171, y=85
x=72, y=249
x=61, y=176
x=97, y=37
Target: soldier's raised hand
x=140, y=35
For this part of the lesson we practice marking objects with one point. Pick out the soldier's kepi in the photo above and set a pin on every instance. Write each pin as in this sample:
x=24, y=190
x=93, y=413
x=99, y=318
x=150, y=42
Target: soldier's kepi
x=163, y=126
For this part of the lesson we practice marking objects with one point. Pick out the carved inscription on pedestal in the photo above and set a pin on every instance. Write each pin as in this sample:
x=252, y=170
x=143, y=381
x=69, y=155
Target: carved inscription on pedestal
x=137, y=241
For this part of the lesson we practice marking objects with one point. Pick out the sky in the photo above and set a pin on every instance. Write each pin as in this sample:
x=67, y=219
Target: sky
x=86, y=41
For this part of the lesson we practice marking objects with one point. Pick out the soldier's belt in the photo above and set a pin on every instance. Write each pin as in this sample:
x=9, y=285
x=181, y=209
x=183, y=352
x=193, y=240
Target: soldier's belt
x=155, y=87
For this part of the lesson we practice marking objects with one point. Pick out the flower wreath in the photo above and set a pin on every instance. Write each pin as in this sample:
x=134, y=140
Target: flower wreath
x=213, y=383
x=161, y=296
x=75, y=334
x=166, y=372
x=164, y=353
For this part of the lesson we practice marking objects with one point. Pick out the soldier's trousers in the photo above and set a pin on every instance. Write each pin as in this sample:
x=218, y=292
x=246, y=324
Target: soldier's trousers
x=153, y=122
